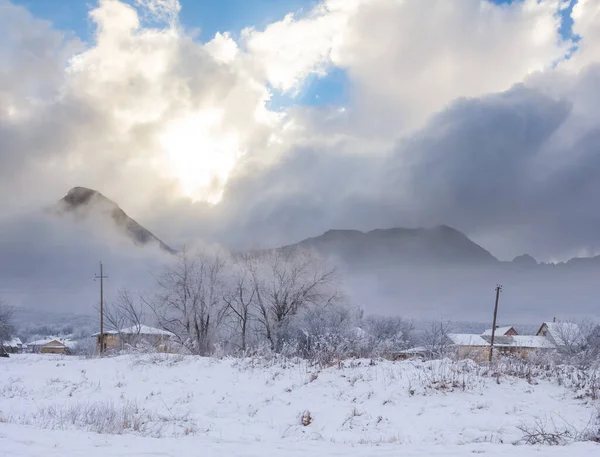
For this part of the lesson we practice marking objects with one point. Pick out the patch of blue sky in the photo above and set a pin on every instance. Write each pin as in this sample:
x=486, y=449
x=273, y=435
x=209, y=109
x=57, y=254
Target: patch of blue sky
x=331, y=89
x=210, y=16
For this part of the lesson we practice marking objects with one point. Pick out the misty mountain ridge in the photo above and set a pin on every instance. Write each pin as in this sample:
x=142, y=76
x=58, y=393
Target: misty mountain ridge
x=440, y=245
x=384, y=247
x=84, y=202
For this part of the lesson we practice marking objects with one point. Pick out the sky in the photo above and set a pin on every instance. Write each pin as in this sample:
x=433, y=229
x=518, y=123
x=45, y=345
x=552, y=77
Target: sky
x=260, y=123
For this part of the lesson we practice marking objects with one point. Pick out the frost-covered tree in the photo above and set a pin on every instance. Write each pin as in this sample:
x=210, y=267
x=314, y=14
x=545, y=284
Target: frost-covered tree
x=435, y=338
x=387, y=334
x=189, y=298
x=239, y=297
x=6, y=323
x=287, y=281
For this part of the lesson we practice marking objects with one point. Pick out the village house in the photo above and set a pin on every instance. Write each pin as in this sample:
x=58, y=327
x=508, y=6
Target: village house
x=12, y=346
x=160, y=340
x=52, y=345
x=550, y=336
x=469, y=346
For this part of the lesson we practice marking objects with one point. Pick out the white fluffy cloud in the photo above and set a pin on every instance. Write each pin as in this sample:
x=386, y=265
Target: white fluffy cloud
x=407, y=60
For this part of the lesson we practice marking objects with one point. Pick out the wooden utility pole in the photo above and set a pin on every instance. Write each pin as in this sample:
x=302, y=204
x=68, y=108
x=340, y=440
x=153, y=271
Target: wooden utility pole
x=101, y=278
x=498, y=290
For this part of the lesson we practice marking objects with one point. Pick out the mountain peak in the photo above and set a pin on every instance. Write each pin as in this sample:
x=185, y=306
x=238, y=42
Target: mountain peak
x=80, y=198
x=525, y=260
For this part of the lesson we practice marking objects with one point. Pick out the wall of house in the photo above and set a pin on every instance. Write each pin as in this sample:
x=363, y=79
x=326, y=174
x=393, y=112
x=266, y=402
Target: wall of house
x=477, y=353
x=53, y=350
x=111, y=342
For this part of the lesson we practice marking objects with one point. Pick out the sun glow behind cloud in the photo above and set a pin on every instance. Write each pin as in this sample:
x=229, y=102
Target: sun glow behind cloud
x=198, y=156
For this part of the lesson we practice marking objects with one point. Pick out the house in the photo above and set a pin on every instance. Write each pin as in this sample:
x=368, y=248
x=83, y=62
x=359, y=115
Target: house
x=12, y=346
x=52, y=345
x=521, y=345
x=551, y=336
x=136, y=335
x=564, y=335
x=501, y=331
x=469, y=346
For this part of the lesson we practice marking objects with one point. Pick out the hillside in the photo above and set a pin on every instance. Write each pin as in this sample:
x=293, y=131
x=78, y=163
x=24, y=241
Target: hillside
x=359, y=408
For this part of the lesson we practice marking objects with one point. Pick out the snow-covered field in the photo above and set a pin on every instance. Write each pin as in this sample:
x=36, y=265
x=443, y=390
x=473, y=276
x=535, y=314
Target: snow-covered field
x=171, y=405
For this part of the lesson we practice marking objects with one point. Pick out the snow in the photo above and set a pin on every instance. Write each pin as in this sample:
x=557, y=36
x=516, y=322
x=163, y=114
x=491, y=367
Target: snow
x=528, y=341
x=138, y=330
x=467, y=339
x=18, y=441
x=252, y=407
x=13, y=343
x=499, y=331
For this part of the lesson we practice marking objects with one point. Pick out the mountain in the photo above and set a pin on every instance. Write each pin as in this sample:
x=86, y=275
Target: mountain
x=84, y=201
x=525, y=260
x=440, y=272
x=441, y=245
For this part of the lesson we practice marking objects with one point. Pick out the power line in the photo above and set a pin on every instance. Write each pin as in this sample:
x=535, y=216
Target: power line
x=101, y=277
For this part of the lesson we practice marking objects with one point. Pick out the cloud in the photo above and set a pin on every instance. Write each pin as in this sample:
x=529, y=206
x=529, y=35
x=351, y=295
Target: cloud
x=586, y=25
x=407, y=60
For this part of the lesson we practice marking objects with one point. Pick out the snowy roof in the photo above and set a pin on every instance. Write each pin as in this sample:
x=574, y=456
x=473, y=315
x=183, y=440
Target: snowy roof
x=563, y=333
x=526, y=341
x=499, y=331
x=466, y=339
x=417, y=350
x=14, y=343
x=61, y=341
x=137, y=330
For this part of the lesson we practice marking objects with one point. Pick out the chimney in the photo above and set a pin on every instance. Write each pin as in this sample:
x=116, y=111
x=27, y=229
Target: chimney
x=554, y=319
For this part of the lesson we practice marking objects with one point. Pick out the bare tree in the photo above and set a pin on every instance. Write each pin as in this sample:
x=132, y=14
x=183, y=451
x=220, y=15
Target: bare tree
x=189, y=302
x=388, y=334
x=124, y=313
x=239, y=297
x=6, y=324
x=286, y=281
x=435, y=338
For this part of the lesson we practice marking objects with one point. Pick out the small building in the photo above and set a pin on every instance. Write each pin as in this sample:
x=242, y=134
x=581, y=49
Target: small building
x=160, y=340
x=52, y=345
x=521, y=345
x=470, y=346
x=12, y=346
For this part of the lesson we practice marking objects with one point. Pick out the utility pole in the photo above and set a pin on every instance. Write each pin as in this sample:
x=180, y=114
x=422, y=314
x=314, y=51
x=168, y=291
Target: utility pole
x=101, y=277
x=498, y=290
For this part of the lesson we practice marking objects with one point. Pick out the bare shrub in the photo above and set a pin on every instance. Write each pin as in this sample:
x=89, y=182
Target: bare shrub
x=94, y=417
x=448, y=375
x=546, y=431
